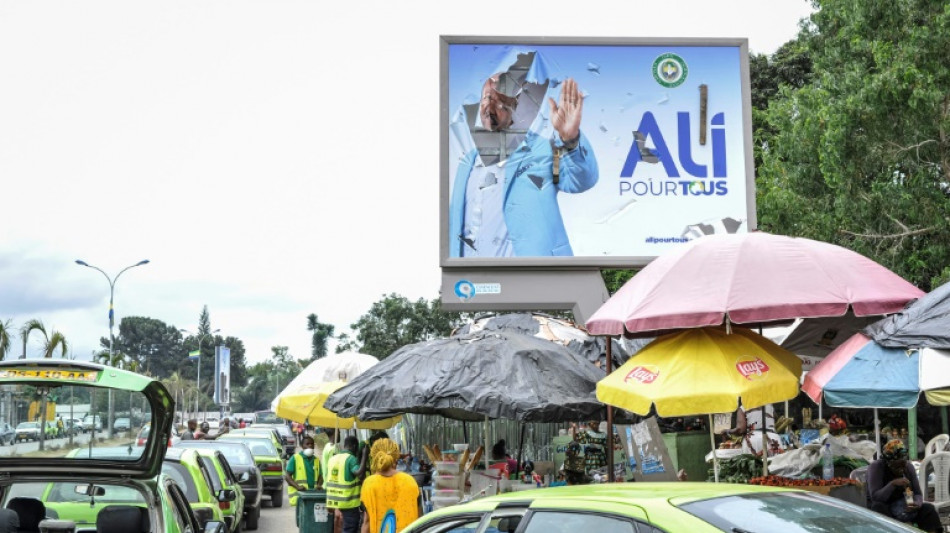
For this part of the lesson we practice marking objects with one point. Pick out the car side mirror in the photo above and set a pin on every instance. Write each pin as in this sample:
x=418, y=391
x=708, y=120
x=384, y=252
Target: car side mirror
x=244, y=477
x=226, y=495
x=213, y=526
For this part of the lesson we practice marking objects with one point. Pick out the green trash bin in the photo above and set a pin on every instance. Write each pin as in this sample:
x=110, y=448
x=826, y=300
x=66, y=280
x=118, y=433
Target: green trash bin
x=312, y=513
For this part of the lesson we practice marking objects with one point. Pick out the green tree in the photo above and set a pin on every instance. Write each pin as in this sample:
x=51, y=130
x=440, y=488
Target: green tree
x=155, y=346
x=395, y=321
x=861, y=154
x=321, y=334
x=51, y=341
x=5, y=339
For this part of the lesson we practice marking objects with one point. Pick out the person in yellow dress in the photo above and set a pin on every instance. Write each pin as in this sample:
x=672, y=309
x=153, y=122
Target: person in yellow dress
x=390, y=498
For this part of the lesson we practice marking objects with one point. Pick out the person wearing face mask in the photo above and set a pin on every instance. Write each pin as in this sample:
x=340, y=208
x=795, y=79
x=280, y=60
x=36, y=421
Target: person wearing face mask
x=512, y=153
x=303, y=472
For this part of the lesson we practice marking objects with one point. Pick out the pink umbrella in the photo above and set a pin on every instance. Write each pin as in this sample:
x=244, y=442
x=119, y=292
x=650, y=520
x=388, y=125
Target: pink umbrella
x=751, y=279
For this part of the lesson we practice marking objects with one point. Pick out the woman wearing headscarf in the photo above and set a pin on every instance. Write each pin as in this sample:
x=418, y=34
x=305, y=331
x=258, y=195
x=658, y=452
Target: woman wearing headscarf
x=894, y=491
x=390, y=498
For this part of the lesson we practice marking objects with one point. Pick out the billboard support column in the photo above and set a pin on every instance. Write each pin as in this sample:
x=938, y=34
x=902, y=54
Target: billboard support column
x=582, y=291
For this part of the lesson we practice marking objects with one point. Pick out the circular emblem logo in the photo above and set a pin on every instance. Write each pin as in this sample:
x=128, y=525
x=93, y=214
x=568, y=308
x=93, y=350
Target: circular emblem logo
x=464, y=289
x=669, y=70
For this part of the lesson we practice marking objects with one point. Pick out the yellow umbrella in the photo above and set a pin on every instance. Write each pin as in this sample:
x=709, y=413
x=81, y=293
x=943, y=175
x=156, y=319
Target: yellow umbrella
x=305, y=405
x=703, y=370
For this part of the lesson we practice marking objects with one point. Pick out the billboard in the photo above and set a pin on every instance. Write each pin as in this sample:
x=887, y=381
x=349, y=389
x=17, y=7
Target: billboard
x=577, y=152
x=222, y=375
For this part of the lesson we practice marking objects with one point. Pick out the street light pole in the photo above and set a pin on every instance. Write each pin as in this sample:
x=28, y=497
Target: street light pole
x=112, y=282
x=200, y=339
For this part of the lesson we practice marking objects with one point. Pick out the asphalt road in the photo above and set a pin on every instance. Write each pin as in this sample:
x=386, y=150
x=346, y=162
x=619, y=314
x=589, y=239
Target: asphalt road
x=277, y=520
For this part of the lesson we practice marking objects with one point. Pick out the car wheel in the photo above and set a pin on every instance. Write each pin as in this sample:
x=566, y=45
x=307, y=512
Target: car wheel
x=277, y=498
x=253, y=517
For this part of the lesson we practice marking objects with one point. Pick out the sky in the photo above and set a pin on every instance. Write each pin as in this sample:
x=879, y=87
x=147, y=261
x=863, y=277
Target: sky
x=271, y=159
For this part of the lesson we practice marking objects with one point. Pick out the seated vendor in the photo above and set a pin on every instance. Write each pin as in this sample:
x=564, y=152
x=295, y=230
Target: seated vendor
x=888, y=479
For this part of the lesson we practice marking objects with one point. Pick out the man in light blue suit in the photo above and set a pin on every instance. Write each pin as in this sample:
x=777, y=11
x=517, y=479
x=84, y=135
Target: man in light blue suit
x=511, y=159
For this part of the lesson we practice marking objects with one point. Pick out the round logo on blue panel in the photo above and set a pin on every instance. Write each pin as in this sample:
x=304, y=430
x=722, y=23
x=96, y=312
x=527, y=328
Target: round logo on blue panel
x=465, y=289
x=670, y=70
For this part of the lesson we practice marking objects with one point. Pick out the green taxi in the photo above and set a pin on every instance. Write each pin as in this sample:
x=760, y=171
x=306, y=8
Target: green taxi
x=195, y=478
x=656, y=508
x=224, y=482
x=270, y=433
x=97, y=485
x=268, y=460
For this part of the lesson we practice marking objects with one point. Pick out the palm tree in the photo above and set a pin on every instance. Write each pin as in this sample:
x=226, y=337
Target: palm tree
x=5, y=336
x=29, y=327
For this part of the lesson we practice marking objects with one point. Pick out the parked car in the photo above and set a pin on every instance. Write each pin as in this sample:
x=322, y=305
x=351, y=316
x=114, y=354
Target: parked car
x=142, y=437
x=27, y=431
x=122, y=424
x=655, y=508
x=270, y=433
x=7, y=433
x=224, y=481
x=91, y=423
x=186, y=468
x=286, y=435
x=242, y=464
x=99, y=488
x=268, y=460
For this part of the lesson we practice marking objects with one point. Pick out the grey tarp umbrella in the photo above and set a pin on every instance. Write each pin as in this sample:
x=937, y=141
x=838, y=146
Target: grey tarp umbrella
x=494, y=374
x=924, y=323
x=478, y=376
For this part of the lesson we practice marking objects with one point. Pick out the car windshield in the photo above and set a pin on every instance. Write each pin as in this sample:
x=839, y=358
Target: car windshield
x=180, y=474
x=45, y=408
x=266, y=417
x=236, y=453
x=258, y=446
x=790, y=512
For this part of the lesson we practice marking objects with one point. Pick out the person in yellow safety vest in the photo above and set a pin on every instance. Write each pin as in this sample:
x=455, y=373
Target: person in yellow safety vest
x=344, y=475
x=303, y=472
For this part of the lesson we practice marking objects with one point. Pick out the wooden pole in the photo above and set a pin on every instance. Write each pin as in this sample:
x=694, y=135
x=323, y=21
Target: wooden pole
x=610, y=420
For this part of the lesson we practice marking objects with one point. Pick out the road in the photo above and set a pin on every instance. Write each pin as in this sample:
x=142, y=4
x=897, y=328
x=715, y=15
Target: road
x=32, y=446
x=274, y=520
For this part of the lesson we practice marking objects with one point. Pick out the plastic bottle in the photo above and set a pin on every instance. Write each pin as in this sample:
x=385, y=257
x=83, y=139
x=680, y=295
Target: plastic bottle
x=827, y=462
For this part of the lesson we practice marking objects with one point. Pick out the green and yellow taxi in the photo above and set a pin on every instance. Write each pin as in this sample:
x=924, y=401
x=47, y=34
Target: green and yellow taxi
x=670, y=507
x=195, y=477
x=268, y=460
x=95, y=485
x=224, y=481
x=269, y=432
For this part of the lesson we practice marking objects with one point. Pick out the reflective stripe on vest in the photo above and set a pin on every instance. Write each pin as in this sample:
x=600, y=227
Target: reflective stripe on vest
x=341, y=494
x=300, y=476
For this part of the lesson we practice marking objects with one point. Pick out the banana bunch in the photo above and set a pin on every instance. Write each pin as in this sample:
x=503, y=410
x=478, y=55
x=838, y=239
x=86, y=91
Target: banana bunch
x=782, y=424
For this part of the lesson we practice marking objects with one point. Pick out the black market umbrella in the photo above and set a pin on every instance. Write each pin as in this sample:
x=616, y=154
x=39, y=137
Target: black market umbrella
x=923, y=323
x=488, y=374
x=559, y=330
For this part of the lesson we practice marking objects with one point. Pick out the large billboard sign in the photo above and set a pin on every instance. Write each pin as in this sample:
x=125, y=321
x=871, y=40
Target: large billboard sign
x=222, y=375
x=591, y=152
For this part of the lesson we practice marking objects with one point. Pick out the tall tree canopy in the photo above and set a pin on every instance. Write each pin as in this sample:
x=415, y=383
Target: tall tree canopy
x=860, y=155
x=394, y=322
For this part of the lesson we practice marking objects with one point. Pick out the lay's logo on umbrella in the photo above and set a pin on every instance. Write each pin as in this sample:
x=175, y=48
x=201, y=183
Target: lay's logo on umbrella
x=643, y=374
x=752, y=370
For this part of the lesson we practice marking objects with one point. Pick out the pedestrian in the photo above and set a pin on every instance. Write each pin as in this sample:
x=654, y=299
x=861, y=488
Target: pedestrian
x=343, y=484
x=303, y=472
x=894, y=490
x=224, y=427
x=202, y=433
x=390, y=498
x=500, y=453
x=60, y=428
x=243, y=423
x=189, y=433
x=329, y=450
